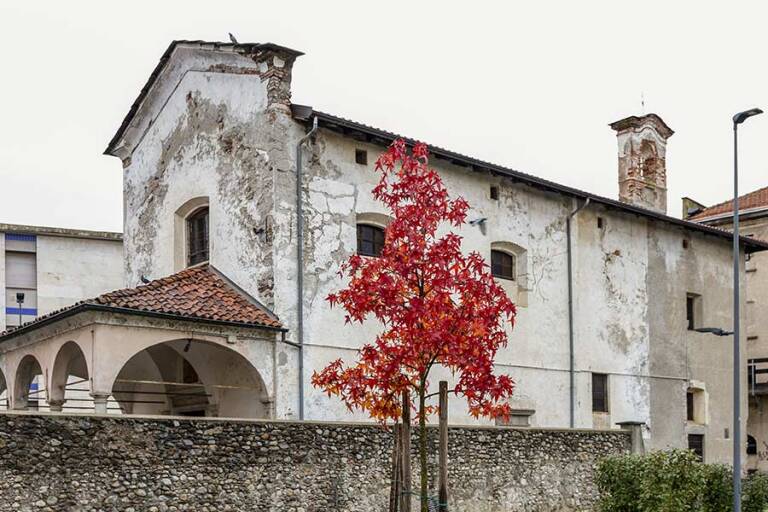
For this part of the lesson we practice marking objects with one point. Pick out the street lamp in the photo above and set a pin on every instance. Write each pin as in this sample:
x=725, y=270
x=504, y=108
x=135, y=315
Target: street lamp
x=737, y=120
x=20, y=302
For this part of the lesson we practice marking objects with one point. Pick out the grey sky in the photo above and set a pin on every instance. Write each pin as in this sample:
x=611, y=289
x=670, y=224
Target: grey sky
x=531, y=85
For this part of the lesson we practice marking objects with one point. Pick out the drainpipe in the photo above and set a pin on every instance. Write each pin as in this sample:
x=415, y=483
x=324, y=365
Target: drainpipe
x=571, y=369
x=300, y=263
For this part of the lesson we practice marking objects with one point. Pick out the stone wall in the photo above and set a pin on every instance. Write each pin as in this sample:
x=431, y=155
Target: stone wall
x=89, y=463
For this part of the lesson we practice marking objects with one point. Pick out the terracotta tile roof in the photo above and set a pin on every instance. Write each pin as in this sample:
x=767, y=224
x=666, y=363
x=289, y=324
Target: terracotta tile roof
x=756, y=199
x=199, y=293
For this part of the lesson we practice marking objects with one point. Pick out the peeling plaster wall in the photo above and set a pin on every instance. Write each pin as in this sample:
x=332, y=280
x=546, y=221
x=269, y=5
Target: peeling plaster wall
x=216, y=135
x=631, y=278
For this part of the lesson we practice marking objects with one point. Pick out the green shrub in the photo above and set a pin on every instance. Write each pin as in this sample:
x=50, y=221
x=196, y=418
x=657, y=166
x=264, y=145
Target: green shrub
x=673, y=481
x=718, y=488
x=618, y=479
x=755, y=493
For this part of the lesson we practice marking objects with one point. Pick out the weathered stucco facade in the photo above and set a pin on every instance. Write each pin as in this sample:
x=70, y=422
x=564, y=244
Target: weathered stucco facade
x=214, y=126
x=753, y=223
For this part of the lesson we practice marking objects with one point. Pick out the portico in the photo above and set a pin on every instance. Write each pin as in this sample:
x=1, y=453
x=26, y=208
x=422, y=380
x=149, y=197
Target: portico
x=189, y=344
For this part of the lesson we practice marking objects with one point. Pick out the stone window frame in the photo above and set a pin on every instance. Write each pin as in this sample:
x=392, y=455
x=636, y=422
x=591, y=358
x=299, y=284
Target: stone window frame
x=516, y=288
x=700, y=403
x=180, y=240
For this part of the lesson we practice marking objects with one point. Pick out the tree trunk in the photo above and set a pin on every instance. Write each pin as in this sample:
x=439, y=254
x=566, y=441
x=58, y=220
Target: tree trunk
x=423, y=448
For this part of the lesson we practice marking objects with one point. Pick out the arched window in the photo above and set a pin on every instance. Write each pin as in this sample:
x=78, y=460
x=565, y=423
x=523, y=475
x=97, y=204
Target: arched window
x=502, y=265
x=751, y=445
x=370, y=240
x=197, y=237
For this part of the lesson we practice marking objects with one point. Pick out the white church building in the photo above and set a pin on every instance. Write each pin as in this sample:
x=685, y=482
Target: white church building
x=219, y=318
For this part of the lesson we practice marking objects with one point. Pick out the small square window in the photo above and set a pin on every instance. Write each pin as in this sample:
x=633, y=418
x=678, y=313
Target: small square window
x=361, y=156
x=599, y=392
x=686, y=243
x=495, y=193
x=600, y=223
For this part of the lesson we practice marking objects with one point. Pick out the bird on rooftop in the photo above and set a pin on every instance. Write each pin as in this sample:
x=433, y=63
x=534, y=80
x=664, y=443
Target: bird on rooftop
x=144, y=280
x=232, y=38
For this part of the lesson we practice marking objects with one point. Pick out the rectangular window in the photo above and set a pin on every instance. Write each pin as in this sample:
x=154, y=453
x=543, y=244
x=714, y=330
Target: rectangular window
x=696, y=444
x=197, y=237
x=20, y=270
x=494, y=193
x=693, y=311
x=370, y=240
x=599, y=392
x=502, y=265
x=691, y=412
x=361, y=156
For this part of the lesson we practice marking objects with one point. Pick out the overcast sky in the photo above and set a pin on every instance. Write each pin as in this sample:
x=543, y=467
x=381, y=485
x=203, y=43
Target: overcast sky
x=530, y=85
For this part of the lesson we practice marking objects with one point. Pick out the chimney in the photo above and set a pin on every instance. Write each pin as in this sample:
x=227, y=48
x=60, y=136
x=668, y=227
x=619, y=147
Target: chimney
x=275, y=67
x=642, y=161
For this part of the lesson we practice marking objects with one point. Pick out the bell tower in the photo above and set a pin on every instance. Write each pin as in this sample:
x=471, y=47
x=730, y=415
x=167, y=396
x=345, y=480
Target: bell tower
x=642, y=161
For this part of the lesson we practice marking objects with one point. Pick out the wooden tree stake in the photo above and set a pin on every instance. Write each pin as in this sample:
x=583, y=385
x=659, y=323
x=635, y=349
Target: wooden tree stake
x=405, y=450
x=443, y=470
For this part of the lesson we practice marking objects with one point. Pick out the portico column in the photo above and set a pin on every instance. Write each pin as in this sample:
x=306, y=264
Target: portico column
x=100, y=402
x=55, y=405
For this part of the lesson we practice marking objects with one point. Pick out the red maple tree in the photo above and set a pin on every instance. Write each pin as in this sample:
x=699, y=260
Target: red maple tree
x=437, y=305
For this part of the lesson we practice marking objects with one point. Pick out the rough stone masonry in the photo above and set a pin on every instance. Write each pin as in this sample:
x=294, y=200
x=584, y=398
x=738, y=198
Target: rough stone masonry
x=100, y=463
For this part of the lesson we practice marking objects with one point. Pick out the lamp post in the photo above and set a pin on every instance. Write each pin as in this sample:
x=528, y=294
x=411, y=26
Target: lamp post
x=20, y=302
x=737, y=120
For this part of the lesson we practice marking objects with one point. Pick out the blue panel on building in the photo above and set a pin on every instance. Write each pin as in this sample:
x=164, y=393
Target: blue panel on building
x=24, y=311
x=20, y=238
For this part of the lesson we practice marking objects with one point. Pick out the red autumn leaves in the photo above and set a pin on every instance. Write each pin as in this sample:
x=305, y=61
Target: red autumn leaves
x=437, y=305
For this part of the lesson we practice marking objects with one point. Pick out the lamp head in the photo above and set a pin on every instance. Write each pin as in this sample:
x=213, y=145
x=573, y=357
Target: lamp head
x=20, y=297
x=743, y=116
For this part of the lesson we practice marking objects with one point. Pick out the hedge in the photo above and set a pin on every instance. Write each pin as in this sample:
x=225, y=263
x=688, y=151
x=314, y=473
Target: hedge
x=673, y=481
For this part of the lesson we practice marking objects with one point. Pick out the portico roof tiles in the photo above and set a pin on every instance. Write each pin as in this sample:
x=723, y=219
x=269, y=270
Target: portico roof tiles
x=199, y=293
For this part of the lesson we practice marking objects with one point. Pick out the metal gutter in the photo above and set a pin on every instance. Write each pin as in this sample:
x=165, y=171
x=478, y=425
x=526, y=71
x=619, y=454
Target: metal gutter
x=300, y=262
x=571, y=349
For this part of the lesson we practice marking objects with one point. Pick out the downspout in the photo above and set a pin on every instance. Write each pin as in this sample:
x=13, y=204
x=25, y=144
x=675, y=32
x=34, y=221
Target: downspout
x=571, y=366
x=300, y=263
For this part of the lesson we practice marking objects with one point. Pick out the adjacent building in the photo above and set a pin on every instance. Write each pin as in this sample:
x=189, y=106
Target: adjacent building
x=216, y=322
x=753, y=221
x=44, y=269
